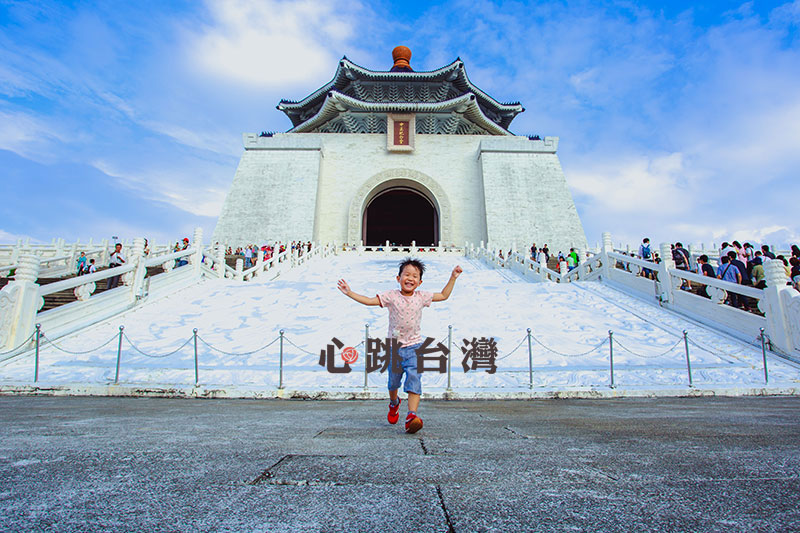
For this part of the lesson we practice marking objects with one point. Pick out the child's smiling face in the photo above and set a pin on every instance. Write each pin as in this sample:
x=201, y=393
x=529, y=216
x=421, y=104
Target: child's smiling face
x=409, y=279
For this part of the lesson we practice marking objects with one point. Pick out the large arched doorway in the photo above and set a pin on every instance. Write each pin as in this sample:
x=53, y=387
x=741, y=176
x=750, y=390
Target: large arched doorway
x=401, y=215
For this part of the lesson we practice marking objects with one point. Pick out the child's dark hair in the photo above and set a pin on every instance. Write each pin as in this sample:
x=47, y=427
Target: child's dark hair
x=419, y=265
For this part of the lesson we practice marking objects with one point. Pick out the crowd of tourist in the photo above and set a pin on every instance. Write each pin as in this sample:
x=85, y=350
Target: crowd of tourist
x=738, y=263
x=251, y=251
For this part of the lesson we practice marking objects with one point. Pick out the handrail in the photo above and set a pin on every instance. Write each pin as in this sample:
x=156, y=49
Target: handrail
x=71, y=283
x=718, y=283
x=644, y=263
x=160, y=259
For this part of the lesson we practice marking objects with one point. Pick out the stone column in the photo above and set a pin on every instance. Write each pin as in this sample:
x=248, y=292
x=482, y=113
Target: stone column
x=19, y=304
x=581, y=263
x=693, y=255
x=196, y=259
x=608, y=246
x=135, y=279
x=778, y=328
x=259, y=263
x=239, y=276
x=220, y=261
x=103, y=261
x=664, y=268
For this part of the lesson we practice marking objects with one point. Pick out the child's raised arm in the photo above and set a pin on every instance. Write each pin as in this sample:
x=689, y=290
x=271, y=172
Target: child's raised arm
x=366, y=300
x=445, y=294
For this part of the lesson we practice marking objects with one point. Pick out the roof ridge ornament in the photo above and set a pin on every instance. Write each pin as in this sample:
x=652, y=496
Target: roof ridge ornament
x=402, y=59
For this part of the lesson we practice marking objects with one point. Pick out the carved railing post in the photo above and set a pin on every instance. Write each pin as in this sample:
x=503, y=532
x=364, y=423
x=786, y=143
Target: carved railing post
x=239, y=276
x=220, y=261
x=777, y=295
x=19, y=304
x=259, y=262
x=196, y=259
x=135, y=278
x=664, y=268
x=608, y=246
x=103, y=261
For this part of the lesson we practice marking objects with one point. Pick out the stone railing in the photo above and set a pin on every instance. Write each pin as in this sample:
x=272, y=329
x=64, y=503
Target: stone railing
x=778, y=318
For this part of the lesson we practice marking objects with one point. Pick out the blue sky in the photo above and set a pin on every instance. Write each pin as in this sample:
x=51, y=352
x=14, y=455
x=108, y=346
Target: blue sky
x=677, y=121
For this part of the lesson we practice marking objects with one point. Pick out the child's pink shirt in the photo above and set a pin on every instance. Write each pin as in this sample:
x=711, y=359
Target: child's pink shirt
x=405, y=314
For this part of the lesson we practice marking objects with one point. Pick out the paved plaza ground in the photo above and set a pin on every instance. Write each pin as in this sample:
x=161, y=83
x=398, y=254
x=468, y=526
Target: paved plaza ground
x=667, y=464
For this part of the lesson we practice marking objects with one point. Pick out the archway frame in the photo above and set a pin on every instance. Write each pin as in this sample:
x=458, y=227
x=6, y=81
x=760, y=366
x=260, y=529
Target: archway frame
x=399, y=177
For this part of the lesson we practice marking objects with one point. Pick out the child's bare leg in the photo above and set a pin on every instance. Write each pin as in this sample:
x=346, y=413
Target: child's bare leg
x=413, y=401
x=393, y=395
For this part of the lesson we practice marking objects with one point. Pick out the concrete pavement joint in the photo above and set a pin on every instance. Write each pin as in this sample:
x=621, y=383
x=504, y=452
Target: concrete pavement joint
x=450, y=527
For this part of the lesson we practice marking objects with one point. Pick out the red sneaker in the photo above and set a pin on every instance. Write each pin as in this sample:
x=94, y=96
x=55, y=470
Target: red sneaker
x=394, y=412
x=413, y=423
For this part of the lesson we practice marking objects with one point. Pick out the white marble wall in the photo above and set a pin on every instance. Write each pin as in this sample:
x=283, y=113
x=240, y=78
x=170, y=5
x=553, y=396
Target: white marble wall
x=316, y=186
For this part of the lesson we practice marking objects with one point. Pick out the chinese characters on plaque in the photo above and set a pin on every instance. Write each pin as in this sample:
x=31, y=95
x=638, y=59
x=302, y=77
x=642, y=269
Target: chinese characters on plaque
x=400, y=132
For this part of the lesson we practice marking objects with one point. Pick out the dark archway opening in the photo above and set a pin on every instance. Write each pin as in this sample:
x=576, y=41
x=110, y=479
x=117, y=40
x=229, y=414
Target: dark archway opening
x=401, y=216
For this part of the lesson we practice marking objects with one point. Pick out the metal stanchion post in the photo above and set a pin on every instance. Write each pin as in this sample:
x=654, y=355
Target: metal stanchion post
x=611, y=354
x=688, y=363
x=119, y=354
x=36, y=363
x=366, y=345
x=196, y=373
x=449, y=355
x=280, y=368
x=764, y=355
x=530, y=361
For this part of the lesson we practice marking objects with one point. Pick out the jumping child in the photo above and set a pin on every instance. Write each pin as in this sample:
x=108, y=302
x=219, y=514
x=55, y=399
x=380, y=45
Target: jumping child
x=405, y=313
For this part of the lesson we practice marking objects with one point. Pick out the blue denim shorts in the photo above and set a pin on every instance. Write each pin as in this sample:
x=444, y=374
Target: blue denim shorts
x=408, y=361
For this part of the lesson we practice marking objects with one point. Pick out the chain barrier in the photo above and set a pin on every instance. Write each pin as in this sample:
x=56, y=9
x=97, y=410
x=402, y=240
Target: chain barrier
x=11, y=353
x=299, y=348
x=565, y=354
x=648, y=356
x=125, y=335
x=717, y=354
x=60, y=349
x=201, y=339
x=512, y=351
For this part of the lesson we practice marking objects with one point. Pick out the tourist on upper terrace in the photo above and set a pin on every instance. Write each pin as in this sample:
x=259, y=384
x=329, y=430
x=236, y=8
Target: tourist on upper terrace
x=681, y=257
x=572, y=259
x=114, y=260
x=730, y=273
x=795, y=271
x=82, y=263
x=541, y=258
x=704, y=269
x=757, y=274
x=645, y=253
x=740, y=252
x=795, y=251
x=405, y=314
x=737, y=262
x=786, y=265
x=767, y=252
x=248, y=256
x=183, y=246
x=533, y=252
x=749, y=252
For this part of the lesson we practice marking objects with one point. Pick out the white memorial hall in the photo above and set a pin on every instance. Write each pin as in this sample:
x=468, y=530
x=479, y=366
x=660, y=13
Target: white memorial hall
x=400, y=156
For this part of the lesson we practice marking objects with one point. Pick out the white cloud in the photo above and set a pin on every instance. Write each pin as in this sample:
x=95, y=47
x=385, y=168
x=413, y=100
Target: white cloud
x=632, y=185
x=25, y=134
x=12, y=238
x=170, y=186
x=272, y=43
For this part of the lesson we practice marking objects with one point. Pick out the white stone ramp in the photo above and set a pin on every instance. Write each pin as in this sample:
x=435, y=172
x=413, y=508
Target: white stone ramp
x=238, y=319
